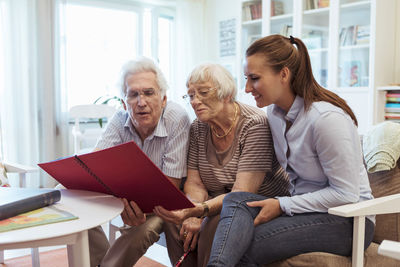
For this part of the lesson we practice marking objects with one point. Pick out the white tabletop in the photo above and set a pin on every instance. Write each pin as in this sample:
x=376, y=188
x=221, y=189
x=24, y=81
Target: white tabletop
x=93, y=209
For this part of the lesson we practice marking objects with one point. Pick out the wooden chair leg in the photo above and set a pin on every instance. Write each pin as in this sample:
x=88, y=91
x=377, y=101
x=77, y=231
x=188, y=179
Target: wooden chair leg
x=35, y=257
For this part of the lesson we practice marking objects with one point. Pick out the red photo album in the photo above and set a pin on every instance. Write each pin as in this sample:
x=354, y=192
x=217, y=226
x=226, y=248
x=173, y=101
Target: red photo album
x=124, y=171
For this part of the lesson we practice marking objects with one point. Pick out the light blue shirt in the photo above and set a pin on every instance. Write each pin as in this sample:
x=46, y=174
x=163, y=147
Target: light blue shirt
x=325, y=164
x=167, y=146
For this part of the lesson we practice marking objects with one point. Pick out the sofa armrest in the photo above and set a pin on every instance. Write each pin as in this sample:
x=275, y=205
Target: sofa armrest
x=19, y=168
x=381, y=205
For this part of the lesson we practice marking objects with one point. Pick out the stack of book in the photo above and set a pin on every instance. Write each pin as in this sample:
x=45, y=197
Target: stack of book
x=392, y=107
x=313, y=4
x=251, y=11
x=354, y=35
x=277, y=8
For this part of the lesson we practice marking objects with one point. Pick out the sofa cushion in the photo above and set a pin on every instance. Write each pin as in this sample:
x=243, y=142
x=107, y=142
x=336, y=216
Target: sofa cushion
x=382, y=184
x=322, y=259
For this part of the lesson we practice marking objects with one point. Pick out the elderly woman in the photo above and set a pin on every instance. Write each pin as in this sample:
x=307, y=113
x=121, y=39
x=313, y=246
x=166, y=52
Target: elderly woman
x=230, y=149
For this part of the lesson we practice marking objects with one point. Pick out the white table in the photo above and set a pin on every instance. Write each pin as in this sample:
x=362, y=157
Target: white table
x=93, y=209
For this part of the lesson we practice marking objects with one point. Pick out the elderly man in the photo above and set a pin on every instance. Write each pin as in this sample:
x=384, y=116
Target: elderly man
x=161, y=130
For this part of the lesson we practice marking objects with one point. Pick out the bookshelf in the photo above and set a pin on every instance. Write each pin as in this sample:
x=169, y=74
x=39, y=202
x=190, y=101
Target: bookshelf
x=351, y=44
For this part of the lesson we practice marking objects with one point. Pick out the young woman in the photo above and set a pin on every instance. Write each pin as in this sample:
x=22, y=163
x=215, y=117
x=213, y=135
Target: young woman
x=316, y=142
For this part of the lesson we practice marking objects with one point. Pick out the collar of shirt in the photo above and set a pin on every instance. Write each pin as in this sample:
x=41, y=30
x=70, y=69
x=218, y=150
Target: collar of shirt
x=295, y=109
x=159, y=131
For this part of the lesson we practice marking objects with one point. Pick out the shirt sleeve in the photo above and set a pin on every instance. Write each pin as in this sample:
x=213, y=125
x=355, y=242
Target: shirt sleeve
x=175, y=156
x=257, y=151
x=337, y=145
x=111, y=135
x=193, y=155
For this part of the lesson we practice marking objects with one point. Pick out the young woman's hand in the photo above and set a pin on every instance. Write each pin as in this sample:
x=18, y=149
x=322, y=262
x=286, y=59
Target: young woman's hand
x=270, y=209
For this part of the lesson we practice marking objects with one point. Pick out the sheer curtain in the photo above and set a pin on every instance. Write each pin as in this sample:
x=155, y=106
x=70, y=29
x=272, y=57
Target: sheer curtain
x=28, y=103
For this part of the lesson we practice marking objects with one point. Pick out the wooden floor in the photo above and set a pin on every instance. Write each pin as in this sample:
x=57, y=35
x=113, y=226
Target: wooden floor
x=58, y=258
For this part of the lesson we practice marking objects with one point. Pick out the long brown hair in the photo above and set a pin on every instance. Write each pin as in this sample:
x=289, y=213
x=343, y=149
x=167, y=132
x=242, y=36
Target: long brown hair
x=280, y=52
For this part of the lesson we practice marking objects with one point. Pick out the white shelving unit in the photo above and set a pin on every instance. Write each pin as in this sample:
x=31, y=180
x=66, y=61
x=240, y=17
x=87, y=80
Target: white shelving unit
x=351, y=45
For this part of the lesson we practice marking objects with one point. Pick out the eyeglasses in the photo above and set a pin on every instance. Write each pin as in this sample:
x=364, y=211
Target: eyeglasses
x=201, y=93
x=133, y=96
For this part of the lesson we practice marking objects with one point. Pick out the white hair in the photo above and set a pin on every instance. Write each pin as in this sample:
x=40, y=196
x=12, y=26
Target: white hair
x=218, y=75
x=139, y=65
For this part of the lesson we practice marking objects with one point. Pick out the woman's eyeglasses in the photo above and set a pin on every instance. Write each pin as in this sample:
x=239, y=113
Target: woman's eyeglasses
x=201, y=93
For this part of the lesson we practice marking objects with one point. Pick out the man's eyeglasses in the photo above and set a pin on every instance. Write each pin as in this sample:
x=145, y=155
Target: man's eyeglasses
x=200, y=93
x=133, y=96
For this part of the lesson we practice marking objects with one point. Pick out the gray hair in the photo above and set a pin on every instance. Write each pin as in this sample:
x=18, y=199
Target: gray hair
x=218, y=75
x=139, y=65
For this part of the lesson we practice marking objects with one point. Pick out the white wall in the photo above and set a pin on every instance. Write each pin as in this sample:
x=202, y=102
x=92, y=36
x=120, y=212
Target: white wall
x=216, y=11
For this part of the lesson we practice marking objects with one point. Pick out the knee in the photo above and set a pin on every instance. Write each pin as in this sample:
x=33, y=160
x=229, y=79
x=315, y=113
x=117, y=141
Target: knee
x=235, y=198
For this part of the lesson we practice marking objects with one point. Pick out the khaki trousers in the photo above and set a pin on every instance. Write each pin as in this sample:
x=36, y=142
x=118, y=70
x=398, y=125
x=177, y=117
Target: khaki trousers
x=128, y=248
x=200, y=256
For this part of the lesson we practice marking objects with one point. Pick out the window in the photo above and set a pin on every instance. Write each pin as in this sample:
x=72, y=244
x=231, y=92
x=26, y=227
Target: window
x=164, y=50
x=97, y=39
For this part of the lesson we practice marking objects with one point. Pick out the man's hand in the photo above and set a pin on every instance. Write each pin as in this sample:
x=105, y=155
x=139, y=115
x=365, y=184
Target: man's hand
x=132, y=215
x=270, y=209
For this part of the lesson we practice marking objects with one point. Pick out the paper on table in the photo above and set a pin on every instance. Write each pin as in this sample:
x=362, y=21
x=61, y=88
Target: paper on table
x=46, y=215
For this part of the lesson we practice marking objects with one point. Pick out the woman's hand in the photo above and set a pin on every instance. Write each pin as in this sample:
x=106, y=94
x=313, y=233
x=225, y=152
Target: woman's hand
x=189, y=232
x=177, y=216
x=132, y=215
x=270, y=209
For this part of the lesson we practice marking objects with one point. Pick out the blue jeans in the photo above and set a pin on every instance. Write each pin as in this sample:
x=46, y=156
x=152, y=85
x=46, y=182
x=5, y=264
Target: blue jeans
x=238, y=243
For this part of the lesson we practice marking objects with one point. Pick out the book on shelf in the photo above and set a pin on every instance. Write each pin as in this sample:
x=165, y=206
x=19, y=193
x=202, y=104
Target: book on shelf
x=354, y=35
x=393, y=99
x=392, y=109
x=392, y=105
x=15, y=201
x=362, y=34
x=323, y=3
x=392, y=94
x=286, y=30
x=311, y=4
x=347, y=36
x=251, y=11
x=277, y=8
x=314, y=4
x=392, y=115
x=41, y=216
x=124, y=171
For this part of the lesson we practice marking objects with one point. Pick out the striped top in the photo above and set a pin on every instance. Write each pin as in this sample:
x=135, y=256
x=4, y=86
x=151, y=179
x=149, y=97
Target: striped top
x=251, y=150
x=167, y=146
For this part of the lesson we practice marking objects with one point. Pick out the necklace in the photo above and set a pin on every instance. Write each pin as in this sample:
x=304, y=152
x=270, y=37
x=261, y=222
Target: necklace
x=230, y=128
